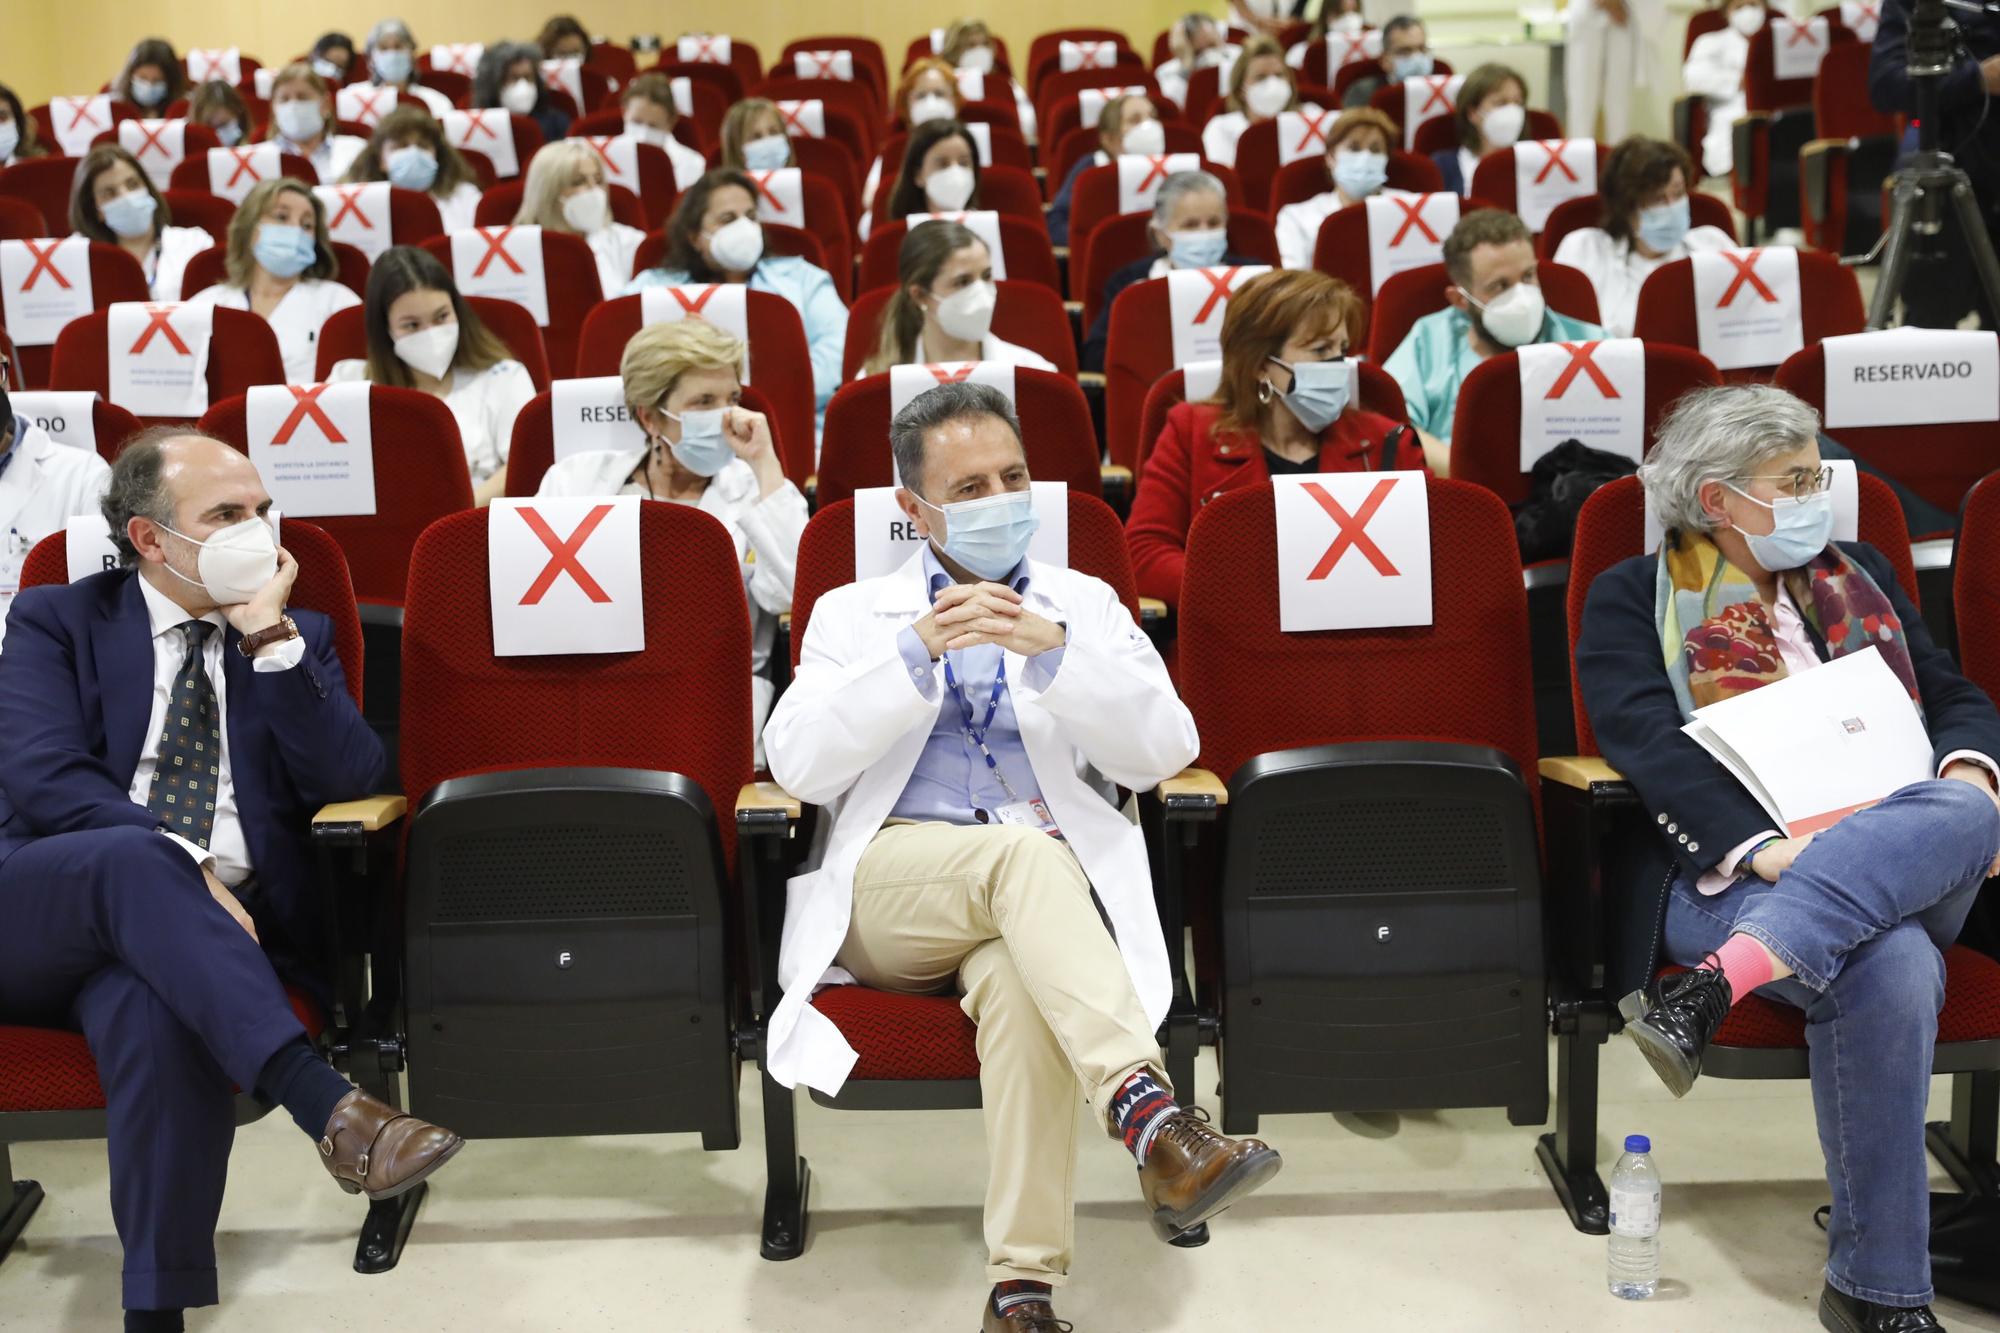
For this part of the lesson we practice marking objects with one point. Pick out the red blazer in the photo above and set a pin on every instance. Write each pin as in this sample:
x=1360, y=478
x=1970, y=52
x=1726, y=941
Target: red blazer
x=1191, y=464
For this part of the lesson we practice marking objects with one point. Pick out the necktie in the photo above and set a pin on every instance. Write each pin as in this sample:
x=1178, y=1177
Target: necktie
x=183, y=791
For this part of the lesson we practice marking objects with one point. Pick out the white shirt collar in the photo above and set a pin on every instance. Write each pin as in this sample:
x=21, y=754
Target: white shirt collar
x=165, y=615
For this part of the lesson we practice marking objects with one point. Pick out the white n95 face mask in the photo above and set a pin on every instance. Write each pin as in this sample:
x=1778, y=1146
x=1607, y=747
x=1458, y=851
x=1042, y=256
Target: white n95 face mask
x=1268, y=96
x=1502, y=126
x=430, y=350
x=234, y=563
x=950, y=188
x=931, y=106
x=519, y=96
x=967, y=314
x=1515, y=316
x=588, y=210
x=737, y=246
x=1148, y=137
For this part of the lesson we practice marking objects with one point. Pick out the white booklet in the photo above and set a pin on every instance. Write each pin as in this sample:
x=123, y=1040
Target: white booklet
x=1815, y=747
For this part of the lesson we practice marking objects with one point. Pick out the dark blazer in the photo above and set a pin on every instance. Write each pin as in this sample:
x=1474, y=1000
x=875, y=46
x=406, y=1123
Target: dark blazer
x=1447, y=165
x=76, y=693
x=1136, y=271
x=1632, y=708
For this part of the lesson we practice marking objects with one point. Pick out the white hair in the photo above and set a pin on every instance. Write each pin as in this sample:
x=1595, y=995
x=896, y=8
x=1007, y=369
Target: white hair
x=1719, y=434
x=390, y=28
x=1180, y=184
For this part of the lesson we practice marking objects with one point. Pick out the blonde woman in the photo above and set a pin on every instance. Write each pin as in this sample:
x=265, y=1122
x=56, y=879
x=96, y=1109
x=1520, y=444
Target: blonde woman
x=302, y=118
x=422, y=335
x=409, y=150
x=968, y=47
x=754, y=138
x=702, y=449
x=281, y=266
x=566, y=192
x=1261, y=85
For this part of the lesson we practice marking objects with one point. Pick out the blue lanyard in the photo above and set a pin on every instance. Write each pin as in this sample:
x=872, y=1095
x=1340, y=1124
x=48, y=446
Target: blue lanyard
x=977, y=735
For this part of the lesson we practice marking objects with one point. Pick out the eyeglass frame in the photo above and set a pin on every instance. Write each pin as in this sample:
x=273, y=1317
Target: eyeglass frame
x=1821, y=480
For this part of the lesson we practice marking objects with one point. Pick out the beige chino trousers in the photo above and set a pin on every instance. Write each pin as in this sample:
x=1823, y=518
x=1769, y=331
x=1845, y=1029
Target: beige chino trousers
x=1007, y=913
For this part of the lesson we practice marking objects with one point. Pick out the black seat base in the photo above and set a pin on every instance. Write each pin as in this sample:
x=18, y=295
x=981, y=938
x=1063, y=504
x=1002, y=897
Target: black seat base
x=23, y=1199
x=386, y=1230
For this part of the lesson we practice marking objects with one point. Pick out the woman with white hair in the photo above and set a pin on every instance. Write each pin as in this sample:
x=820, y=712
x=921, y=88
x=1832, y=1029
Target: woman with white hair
x=701, y=447
x=392, y=63
x=1845, y=923
x=566, y=191
x=1190, y=229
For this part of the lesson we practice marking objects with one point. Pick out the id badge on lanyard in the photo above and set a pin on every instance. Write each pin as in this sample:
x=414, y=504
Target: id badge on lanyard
x=1029, y=811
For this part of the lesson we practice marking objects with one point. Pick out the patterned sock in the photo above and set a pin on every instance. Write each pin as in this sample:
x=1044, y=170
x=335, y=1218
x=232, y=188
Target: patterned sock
x=1007, y=1295
x=1744, y=960
x=1139, y=1107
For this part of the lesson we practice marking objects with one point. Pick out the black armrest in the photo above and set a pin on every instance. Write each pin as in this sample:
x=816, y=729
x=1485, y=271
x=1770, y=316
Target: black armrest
x=766, y=818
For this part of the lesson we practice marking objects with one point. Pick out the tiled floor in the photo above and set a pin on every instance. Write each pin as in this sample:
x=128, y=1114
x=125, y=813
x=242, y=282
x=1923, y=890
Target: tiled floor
x=1418, y=1222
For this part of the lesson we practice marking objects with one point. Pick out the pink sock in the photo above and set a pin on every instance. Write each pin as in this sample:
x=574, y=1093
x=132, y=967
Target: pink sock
x=1745, y=962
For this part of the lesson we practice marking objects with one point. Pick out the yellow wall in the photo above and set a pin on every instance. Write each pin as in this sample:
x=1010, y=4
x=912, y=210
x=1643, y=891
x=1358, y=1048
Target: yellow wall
x=72, y=46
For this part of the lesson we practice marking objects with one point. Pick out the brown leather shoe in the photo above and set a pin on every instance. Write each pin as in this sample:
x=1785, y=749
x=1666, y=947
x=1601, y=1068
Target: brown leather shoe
x=1025, y=1317
x=370, y=1147
x=1192, y=1172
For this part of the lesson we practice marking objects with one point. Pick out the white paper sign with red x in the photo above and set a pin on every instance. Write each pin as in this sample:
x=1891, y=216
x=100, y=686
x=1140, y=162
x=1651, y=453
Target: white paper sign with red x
x=43, y=286
x=158, y=357
x=1354, y=550
x=1594, y=392
x=504, y=263
x=1746, y=306
x=564, y=576
x=1406, y=231
x=313, y=446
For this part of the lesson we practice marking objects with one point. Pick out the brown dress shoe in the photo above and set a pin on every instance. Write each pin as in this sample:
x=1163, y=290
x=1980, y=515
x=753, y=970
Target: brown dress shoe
x=1192, y=1172
x=1025, y=1317
x=372, y=1148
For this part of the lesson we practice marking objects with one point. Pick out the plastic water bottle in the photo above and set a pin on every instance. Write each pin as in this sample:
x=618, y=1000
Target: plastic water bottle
x=1633, y=1265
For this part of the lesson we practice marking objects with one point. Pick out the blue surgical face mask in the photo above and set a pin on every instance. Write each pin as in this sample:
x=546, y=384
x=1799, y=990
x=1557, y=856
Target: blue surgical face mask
x=282, y=250
x=1664, y=226
x=767, y=153
x=229, y=133
x=130, y=214
x=1411, y=65
x=988, y=536
x=412, y=167
x=702, y=448
x=1318, y=394
x=148, y=92
x=390, y=66
x=1197, y=249
x=1359, y=173
x=1801, y=528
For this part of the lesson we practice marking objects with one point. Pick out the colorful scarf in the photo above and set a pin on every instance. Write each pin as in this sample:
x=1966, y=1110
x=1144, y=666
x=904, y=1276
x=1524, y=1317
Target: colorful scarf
x=1717, y=636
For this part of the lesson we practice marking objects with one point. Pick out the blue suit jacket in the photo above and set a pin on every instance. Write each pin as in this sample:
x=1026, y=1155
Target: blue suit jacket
x=1632, y=708
x=76, y=693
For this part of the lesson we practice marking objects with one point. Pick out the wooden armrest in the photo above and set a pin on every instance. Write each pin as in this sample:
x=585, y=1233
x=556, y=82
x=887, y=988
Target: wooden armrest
x=1814, y=147
x=1086, y=378
x=761, y=796
x=1579, y=771
x=785, y=622
x=1060, y=251
x=1194, y=784
x=1072, y=307
x=369, y=814
x=1153, y=609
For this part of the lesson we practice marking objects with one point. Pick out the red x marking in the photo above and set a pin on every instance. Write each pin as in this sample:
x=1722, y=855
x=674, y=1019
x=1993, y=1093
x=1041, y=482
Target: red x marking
x=602, y=143
x=476, y=124
x=1352, y=530
x=364, y=100
x=946, y=375
x=794, y=113
x=823, y=63
x=1580, y=362
x=762, y=179
x=496, y=247
x=1413, y=216
x=1313, y=133
x=1218, y=290
x=1554, y=148
x=1746, y=272
x=44, y=263
x=152, y=138
x=242, y=158
x=563, y=555
x=1801, y=32
x=350, y=202
x=457, y=59
x=1357, y=51
x=693, y=306
x=156, y=322
x=1437, y=98
x=83, y=116
x=704, y=50
x=305, y=403
x=1156, y=172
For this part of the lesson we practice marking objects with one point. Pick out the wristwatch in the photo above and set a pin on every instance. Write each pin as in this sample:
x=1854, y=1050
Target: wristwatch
x=252, y=644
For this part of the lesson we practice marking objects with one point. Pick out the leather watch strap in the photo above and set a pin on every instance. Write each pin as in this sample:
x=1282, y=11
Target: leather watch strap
x=251, y=644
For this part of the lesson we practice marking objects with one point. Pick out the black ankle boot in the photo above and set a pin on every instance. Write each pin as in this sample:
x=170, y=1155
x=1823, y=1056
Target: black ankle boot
x=1683, y=1012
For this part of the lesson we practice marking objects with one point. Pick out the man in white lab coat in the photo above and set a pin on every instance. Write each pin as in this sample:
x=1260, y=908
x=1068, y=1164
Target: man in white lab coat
x=42, y=486
x=966, y=721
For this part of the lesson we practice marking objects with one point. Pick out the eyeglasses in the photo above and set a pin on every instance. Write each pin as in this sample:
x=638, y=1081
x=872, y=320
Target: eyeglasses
x=1800, y=482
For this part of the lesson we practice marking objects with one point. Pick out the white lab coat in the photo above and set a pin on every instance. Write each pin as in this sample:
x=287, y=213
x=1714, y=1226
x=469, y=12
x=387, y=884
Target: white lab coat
x=42, y=488
x=848, y=733
x=1714, y=69
x=1605, y=62
x=615, y=246
x=1618, y=271
x=1219, y=136
x=689, y=166
x=166, y=264
x=296, y=320
x=456, y=209
x=766, y=532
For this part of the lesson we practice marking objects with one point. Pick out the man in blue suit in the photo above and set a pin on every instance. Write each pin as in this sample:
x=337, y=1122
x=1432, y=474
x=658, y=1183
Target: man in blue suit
x=170, y=729
x=1846, y=923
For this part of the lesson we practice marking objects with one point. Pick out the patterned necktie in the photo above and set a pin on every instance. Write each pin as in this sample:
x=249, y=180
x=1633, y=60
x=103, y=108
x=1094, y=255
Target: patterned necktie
x=183, y=791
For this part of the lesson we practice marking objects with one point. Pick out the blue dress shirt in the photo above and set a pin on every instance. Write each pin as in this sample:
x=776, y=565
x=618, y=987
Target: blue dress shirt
x=951, y=782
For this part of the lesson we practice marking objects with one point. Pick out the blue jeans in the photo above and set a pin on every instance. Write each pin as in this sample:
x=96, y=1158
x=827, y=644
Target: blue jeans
x=1860, y=919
